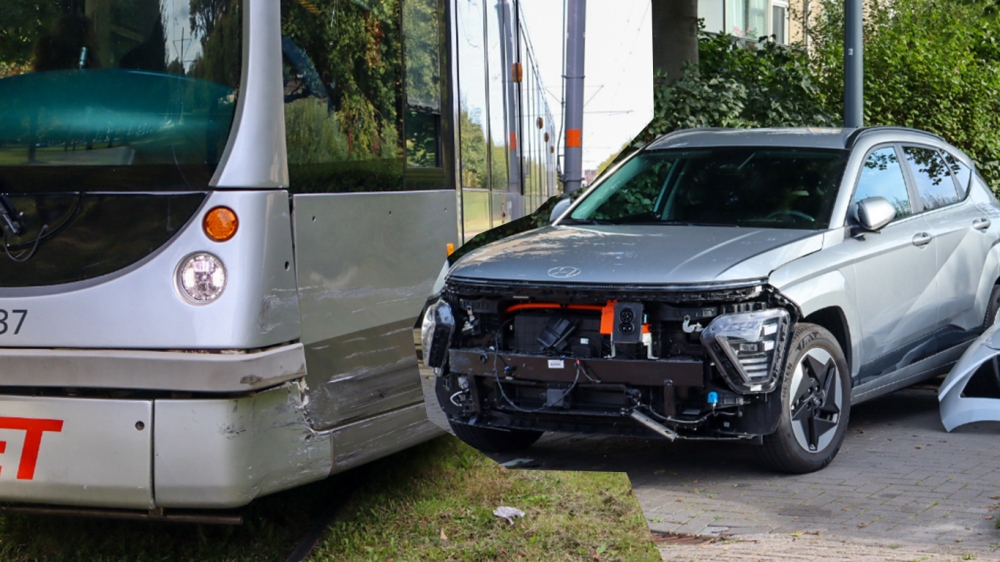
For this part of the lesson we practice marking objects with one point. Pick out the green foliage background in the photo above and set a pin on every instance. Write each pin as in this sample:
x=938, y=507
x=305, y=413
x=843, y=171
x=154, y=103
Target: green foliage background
x=929, y=64
x=736, y=84
x=358, y=53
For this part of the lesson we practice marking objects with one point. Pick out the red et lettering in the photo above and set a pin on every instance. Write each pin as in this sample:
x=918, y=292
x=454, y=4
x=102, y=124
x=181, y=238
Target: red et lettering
x=32, y=441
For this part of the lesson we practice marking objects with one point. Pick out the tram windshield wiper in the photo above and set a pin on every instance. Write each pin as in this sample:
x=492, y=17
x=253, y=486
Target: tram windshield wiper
x=9, y=218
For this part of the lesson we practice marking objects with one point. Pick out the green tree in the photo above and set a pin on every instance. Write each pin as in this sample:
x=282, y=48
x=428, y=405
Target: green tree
x=474, y=171
x=357, y=49
x=21, y=22
x=218, y=24
x=740, y=84
x=929, y=64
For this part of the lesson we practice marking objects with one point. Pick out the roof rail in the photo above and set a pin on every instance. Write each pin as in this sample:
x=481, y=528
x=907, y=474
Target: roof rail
x=861, y=131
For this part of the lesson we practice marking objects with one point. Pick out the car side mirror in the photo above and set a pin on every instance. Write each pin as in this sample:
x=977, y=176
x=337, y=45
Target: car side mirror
x=559, y=209
x=873, y=213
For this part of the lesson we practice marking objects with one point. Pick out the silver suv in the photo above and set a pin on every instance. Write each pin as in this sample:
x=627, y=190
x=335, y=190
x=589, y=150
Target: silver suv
x=743, y=285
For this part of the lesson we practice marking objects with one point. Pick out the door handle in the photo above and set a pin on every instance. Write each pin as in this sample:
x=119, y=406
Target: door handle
x=922, y=239
x=981, y=224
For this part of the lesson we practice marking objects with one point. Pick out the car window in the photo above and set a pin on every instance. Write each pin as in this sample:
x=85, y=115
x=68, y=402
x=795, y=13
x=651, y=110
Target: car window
x=961, y=173
x=638, y=186
x=934, y=183
x=882, y=176
x=771, y=187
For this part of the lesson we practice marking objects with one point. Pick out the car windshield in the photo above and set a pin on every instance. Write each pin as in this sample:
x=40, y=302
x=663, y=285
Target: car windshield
x=730, y=186
x=116, y=94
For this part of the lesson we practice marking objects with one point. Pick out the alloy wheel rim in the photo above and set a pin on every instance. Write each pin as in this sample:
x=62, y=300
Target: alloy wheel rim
x=815, y=400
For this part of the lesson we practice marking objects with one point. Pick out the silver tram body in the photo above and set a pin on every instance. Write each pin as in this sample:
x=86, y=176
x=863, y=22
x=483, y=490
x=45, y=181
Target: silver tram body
x=116, y=389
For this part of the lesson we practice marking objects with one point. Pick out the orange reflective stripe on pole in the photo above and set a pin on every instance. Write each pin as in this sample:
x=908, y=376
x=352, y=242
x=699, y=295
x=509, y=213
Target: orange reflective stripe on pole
x=573, y=138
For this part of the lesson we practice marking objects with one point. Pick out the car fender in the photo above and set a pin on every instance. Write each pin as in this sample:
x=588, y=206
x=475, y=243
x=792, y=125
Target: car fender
x=826, y=290
x=957, y=409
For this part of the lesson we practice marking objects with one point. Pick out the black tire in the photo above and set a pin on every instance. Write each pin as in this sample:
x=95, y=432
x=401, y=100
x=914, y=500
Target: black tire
x=985, y=383
x=992, y=307
x=489, y=440
x=815, y=404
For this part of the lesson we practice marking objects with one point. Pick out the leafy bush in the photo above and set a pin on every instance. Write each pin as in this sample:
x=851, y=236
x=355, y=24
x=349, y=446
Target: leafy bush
x=737, y=84
x=929, y=64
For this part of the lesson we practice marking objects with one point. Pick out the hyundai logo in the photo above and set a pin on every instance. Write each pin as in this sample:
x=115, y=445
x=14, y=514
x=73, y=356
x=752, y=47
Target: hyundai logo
x=563, y=272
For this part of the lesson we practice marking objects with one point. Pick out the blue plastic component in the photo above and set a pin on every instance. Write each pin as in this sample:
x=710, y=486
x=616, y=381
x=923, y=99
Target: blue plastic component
x=713, y=398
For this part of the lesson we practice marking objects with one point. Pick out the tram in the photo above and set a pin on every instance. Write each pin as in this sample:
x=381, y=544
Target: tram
x=220, y=221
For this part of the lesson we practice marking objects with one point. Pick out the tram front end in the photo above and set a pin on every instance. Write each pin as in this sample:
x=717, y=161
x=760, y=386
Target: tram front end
x=150, y=352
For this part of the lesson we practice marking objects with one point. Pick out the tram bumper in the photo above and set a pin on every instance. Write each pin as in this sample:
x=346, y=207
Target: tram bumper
x=224, y=453
x=202, y=451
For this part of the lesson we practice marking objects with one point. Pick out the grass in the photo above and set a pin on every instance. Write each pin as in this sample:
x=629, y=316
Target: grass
x=442, y=510
x=432, y=502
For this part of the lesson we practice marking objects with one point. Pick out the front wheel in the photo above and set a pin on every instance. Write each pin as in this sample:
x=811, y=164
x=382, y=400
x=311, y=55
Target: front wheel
x=815, y=404
x=490, y=440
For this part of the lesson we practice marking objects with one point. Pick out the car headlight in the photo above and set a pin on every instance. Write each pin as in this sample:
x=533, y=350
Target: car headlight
x=749, y=348
x=436, y=332
x=201, y=278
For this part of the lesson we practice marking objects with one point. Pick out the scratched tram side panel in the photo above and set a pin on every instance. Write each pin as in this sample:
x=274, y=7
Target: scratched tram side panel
x=46, y=451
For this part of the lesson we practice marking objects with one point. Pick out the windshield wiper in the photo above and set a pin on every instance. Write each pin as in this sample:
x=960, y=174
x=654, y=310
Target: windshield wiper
x=570, y=220
x=692, y=223
x=9, y=218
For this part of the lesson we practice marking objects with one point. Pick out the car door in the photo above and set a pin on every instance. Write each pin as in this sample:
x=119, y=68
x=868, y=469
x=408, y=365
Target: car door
x=893, y=270
x=961, y=232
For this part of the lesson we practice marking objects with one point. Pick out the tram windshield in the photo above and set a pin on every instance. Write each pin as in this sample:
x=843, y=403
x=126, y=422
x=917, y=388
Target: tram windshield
x=116, y=94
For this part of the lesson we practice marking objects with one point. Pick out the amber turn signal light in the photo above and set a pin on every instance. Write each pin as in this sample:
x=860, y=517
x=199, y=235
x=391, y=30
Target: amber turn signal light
x=220, y=224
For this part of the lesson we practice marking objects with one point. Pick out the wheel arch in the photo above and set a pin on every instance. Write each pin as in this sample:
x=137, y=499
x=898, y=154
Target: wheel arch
x=835, y=321
x=826, y=299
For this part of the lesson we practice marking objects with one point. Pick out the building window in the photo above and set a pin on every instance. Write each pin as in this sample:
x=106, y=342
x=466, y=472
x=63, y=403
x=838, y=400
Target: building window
x=779, y=22
x=714, y=14
x=746, y=19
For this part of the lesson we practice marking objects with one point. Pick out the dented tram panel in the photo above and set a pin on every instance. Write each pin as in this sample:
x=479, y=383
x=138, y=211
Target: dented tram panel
x=128, y=378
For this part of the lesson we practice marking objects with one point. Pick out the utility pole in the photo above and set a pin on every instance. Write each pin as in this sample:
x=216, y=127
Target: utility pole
x=576, y=17
x=508, y=58
x=854, y=65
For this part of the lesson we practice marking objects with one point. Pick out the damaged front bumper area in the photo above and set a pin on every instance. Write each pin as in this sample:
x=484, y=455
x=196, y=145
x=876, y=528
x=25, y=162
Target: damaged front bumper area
x=675, y=363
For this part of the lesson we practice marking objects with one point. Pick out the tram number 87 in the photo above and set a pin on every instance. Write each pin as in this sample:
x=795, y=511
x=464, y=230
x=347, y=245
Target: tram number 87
x=8, y=318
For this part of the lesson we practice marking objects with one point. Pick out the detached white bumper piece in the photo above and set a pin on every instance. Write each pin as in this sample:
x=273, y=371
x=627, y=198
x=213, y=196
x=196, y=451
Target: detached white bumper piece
x=980, y=359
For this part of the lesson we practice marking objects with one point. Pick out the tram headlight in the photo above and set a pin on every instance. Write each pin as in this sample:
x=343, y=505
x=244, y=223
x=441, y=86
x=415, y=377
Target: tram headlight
x=201, y=278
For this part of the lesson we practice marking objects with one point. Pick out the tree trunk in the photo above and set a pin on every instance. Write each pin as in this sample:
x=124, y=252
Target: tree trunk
x=675, y=36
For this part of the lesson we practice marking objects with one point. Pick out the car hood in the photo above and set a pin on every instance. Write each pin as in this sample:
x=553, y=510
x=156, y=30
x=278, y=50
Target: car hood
x=638, y=254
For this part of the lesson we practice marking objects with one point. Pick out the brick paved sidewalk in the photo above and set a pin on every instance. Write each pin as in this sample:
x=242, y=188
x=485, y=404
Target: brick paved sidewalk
x=900, y=486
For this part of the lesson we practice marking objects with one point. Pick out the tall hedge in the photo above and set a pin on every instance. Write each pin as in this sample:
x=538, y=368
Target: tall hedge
x=739, y=84
x=929, y=64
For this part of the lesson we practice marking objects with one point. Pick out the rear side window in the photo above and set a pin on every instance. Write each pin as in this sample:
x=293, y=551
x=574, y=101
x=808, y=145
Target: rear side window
x=933, y=181
x=961, y=173
x=882, y=176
